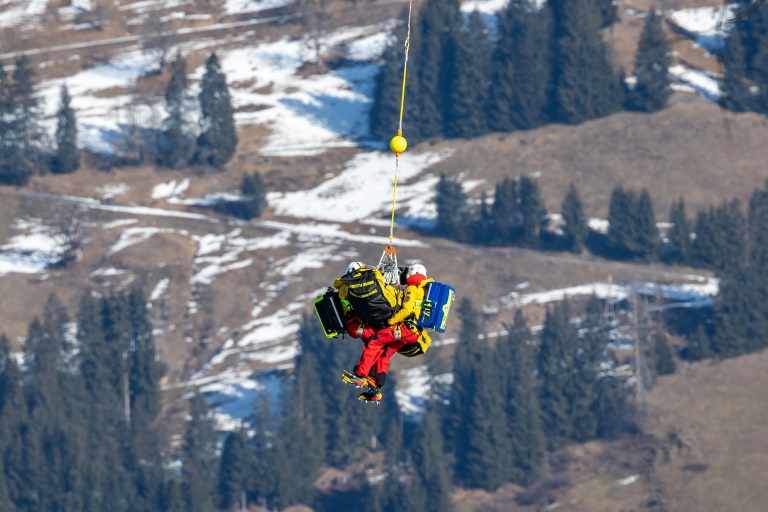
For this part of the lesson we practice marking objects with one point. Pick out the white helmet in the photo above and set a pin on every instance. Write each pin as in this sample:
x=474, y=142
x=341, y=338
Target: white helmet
x=354, y=265
x=416, y=268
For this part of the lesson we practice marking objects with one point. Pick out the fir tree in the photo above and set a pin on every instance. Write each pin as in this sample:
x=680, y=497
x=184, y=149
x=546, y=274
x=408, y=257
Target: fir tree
x=665, y=364
x=533, y=211
x=756, y=234
x=506, y=213
x=576, y=228
x=175, y=142
x=520, y=96
x=218, y=140
x=466, y=363
x=699, y=346
x=609, y=12
x=385, y=105
x=304, y=431
x=145, y=370
x=586, y=87
x=67, y=157
x=704, y=247
x=735, y=94
x=22, y=131
x=612, y=410
x=439, y=28
x=487, y=445
x=652, y=87
x=588, y=353
x=679, y=235
x=234, y=469
x=451, y=205
x=755, y=43
x=466, y=93
x=431, y=464
x=254, y=195
x=646, y=226
x=199, y=457
x=622, y=231
x=555, y=366
x=268, y=466
x=515, y=359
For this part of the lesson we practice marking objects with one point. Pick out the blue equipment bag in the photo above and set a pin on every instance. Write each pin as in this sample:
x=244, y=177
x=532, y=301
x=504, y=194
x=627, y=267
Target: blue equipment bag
x=434, y=309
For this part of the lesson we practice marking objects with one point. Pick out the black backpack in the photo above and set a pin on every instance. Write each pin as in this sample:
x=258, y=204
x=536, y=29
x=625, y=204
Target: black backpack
x=371, y=298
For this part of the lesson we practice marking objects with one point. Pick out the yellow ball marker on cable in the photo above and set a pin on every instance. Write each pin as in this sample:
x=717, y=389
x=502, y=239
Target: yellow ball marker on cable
x=398, y=144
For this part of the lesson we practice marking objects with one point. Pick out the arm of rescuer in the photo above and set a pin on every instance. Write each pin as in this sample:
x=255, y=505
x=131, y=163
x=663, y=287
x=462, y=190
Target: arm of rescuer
x=413, y=295
x=339, y=285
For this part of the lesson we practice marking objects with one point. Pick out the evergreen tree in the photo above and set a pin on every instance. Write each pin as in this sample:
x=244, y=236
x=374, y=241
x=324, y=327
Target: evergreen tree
x=268, y=466
x=647, y=231
x=487, y=444
x=576, y=228
x=665, y=364
x=466, y=362
x=679, y=236
x=304, y=431
x=218, y=139
x=466, y=93
x=735, y=93
x=451, y=205
x=555, y=366
x=175, y=143
x=756, y=234
x=515, y=359
x=520, y=96
x=589, y=351
x=652, y=87
x=13, y=417
x=171, y=499
x=609, y=12
x=431, y=464
x=145, y=370
x=632, y=231
x=506, y=213
x=254, y=195
x=199, y=457
x=234, y=469
x=612, y=410
x=22, y=130
x=755, y=43
x=732, y=234
x=532, y=209
x=622, y=231
x=705, y=246
x=699, y=346
x=586, y=86
x=67, y=157
x=436, y=32
x=385, y=104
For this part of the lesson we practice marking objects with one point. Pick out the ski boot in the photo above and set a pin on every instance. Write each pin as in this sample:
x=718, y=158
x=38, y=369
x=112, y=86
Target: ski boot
x=361, y=382
x=370, y=397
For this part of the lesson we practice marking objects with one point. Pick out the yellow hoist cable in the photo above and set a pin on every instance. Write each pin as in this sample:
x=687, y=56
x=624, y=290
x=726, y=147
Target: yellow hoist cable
x=398, y=142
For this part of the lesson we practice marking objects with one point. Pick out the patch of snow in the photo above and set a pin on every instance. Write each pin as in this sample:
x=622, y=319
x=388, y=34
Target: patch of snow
x=629, y=480
x=170, y=189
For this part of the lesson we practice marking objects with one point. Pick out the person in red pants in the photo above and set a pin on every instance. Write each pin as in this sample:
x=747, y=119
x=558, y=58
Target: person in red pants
x=381, y=345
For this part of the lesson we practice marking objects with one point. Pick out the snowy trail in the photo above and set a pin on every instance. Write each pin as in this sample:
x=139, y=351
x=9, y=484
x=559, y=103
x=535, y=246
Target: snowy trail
x=331, y=231
x=136, y=38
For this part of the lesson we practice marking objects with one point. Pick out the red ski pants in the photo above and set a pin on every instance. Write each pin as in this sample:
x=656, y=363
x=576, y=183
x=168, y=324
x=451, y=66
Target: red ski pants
x=382, y=347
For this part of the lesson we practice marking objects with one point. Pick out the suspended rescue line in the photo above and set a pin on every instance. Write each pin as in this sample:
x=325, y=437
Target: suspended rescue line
x=398, y=144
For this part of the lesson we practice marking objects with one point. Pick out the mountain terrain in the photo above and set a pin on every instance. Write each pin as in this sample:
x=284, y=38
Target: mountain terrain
x=227, y=295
